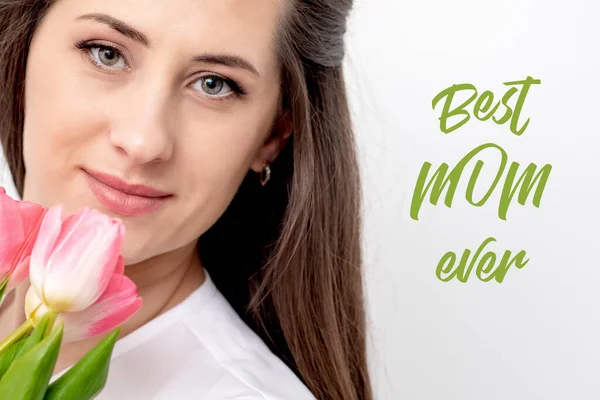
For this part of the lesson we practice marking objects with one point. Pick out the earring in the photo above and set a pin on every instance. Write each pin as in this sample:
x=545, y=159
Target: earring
x=265, y=174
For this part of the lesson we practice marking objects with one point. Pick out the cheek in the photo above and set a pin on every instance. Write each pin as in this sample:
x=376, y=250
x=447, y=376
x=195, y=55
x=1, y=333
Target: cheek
x=217, y=148
x=56, y=101
x=59, y=119
x=209, y=175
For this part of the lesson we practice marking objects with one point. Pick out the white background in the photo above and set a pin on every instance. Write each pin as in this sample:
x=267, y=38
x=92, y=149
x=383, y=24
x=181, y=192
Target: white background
x=537, y=334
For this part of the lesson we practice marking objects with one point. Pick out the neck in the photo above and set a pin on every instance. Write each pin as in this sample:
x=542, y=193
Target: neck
x=162, y=281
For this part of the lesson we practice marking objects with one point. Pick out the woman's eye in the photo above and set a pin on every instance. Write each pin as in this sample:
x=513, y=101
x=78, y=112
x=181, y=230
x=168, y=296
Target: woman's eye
x=108, y=57
x=212, y=85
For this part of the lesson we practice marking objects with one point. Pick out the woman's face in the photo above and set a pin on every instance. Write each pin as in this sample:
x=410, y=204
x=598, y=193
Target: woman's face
x=176, y=95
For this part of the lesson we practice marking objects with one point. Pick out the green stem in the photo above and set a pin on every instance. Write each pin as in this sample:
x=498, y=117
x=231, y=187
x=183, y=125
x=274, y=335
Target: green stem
x=16, y=335
x=51, y=319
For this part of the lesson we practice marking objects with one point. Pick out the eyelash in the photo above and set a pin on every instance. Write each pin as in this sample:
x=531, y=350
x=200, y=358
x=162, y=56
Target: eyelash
x=237, y=90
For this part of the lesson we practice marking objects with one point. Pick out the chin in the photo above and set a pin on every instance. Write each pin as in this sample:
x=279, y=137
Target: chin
x=133, y=252
x=133, y=258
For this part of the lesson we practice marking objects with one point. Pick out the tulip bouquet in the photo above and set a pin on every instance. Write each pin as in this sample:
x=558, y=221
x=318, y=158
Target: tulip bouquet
x=78, y=290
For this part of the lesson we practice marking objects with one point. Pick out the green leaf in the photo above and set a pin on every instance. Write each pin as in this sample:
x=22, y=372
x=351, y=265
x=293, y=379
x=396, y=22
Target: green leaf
x=88, y=377
x=25, y=343
x=28, y=377
x=8, y=356
x=35, y=337
x=3, y=287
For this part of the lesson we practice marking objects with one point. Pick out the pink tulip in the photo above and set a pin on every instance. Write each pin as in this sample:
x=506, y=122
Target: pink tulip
x=19, y=225
x=73, y=261
x=117, y=304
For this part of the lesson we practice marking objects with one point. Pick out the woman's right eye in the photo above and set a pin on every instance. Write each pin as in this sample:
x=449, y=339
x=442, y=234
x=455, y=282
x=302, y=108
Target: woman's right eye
x=104, y=56
x=108, y=57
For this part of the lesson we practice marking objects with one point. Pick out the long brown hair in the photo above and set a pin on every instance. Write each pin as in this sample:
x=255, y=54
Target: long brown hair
x=287, y=256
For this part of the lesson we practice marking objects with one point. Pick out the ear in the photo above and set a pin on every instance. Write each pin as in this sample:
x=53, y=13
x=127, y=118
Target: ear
x=268, y=152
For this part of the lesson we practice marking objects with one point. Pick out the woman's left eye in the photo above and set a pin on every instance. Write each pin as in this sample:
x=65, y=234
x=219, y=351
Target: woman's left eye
x=213, y=85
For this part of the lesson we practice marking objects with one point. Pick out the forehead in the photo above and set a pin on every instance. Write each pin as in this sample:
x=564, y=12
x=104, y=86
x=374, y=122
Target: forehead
x=242, y=27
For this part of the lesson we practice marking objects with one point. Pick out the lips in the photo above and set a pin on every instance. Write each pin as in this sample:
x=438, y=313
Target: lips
x=123, y=198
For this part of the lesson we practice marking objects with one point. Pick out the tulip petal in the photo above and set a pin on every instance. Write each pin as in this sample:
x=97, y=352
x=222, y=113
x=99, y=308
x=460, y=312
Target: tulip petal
x=30, y=214
x=23, y=257
x=77, y=232
x=19, y=224
x=120, y=267
x=43, y=247
x=111, y=320
x=9, y=209
x=20, y=273
x=34, y=308
x=68, y=237
x=116, y=305
x=12, y=233
x=33, y=216
x=83, y=261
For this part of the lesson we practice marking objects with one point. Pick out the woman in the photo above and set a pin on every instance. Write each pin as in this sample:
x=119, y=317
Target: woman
x=219, y=132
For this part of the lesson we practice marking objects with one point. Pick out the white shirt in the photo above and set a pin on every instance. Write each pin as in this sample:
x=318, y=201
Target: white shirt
x=199, y=349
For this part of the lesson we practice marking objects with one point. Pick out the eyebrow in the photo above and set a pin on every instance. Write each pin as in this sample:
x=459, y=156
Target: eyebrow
x=227, y=60
x=136, y=35
x=118, y=26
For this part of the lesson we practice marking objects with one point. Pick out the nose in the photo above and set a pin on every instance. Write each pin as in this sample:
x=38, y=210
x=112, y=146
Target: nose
x=143, y=133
